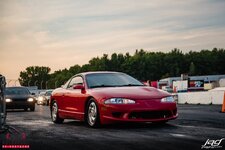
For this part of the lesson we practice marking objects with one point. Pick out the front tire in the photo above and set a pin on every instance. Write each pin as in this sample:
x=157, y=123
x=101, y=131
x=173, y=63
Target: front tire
x=54, y=113
x=32, y=108
x=92, y=114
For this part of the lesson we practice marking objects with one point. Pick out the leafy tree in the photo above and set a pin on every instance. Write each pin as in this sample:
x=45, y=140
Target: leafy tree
x=143, y=65
x=35, y=76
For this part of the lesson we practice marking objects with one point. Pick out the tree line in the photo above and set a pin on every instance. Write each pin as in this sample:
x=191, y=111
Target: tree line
x=143, y=65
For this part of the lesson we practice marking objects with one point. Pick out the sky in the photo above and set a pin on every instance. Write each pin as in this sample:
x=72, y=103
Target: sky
x=62, y=33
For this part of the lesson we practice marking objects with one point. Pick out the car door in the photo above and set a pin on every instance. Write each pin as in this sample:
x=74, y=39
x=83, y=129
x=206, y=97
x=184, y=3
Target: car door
x=72, y=97
x=60, y=96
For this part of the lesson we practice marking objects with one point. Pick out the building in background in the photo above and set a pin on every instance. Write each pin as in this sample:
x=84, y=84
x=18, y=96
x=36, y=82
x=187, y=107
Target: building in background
x=191, y=83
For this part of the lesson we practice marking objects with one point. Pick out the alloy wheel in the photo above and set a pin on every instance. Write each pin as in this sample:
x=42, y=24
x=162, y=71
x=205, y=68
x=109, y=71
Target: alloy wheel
x=92, y=114
x=54, y=111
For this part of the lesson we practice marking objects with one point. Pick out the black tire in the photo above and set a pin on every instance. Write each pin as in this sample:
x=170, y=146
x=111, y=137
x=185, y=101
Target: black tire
x=92, y=118
x=54, y=113
x=25, y=109
x=32, y=108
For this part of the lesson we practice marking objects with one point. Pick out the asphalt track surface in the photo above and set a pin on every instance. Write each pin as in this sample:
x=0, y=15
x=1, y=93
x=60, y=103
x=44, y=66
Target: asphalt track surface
x=195, y=125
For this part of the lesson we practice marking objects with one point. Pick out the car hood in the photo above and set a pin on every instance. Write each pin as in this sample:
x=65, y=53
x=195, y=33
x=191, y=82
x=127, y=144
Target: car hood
x=18, y=96
x=141, y=93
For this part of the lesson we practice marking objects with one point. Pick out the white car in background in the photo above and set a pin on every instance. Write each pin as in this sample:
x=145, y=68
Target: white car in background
x=44, y=97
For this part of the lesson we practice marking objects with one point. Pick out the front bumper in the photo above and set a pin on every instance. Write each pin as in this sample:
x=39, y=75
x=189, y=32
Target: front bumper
x=142, y=111
x=43, y=102
x=19, y=105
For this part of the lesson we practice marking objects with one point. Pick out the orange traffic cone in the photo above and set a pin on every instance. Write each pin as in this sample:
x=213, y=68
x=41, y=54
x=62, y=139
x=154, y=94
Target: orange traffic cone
x=223, y=106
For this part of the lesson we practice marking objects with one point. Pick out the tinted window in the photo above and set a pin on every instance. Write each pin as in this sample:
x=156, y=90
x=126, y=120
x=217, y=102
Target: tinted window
x=75, y=81
x=17, y=91
x=48, y=93
x=66, y=84
x=111, y=80
x=42, y=93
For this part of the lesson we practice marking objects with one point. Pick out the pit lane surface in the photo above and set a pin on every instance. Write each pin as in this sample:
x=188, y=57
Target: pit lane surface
x=194, y=126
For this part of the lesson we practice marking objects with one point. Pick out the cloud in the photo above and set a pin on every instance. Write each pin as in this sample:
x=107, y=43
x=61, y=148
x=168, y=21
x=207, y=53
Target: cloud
x=60, y=33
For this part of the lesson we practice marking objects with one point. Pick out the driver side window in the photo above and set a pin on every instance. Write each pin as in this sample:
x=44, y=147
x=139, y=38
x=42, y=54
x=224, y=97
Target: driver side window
x=75, y=81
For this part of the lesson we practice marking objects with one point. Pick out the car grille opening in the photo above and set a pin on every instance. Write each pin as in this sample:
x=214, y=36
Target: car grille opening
x=117, y=114
x=150, y=115
x=174, y=111
x=19, y=99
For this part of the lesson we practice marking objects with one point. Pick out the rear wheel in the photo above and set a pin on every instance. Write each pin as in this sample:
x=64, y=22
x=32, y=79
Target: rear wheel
x=54, y=113
x=25, y=109
x=92, y=114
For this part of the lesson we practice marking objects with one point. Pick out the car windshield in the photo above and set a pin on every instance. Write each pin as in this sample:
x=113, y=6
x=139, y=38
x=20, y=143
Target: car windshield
x=111, y=80
x=17, y=91
x=48, y=93
x=42, y=94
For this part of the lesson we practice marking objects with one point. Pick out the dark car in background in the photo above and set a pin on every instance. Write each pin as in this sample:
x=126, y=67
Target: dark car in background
x=19, y=98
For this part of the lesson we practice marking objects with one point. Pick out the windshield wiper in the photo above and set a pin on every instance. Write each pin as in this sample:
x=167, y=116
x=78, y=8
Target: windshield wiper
x=102, y=85
x=132, y=85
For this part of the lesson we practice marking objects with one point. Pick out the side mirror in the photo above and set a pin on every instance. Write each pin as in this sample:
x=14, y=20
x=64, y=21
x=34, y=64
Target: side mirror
x=78, y=86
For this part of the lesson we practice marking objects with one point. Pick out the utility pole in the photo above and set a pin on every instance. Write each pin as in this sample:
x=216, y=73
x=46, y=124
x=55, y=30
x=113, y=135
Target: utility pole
x=46, y=85
x=56, y=84
x=41, y=84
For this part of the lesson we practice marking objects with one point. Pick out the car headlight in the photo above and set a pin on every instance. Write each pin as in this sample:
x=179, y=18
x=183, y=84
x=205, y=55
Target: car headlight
x=167, y=99
x=119, y=101
x=40, y=98
x=30, y=99
x=7, y=100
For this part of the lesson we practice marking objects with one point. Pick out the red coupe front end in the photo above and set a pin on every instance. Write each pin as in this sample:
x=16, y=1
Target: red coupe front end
x=148, y=105
x=150, y=111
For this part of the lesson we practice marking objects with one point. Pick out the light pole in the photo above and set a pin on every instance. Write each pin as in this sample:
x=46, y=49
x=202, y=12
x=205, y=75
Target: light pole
x=29, y=83
x=15, y=82
x=35, y=83
x=9, y=82
x=46, y=85
x=41, y=84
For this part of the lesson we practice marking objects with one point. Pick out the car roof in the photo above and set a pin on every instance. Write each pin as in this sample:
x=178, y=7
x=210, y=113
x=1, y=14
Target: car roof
x=14, y=87
x=97, y=72
x=49, y=90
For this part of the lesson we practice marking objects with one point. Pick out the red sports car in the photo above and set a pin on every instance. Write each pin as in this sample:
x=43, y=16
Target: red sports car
x=108, y=97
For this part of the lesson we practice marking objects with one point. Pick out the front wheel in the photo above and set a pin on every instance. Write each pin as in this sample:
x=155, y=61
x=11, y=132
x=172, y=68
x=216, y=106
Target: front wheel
x=92, y=114
x=32, y=108
x=54, y=114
